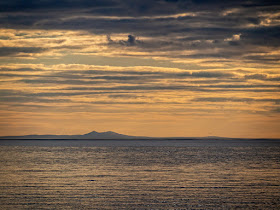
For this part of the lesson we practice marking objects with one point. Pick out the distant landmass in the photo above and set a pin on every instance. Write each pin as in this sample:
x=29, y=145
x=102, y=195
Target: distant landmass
x=91, y=135
x=102, y=135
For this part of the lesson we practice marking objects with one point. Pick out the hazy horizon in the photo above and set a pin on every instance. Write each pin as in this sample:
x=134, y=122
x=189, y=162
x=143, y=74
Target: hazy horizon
x=133, y=136
x=180, y=68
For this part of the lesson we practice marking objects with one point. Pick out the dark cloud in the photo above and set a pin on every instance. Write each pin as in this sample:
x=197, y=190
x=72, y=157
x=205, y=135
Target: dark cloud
x=63, y=95
x=122, y=77
x=138, y=81
x=14, y=51
x=263, y=77
x=31, y=13
x=144, y=79
x=24, y=99
x=271, y=59
x=12, y=96
x=207, y=74
x=156, y=87
x=267, y=36
x=108, y=75
x=247, y=100
x=205, y=24
x=52, y=5
x=256, y=76
x=129, y=96
x=136, y=7
x=276, y=109
x=131, y=41
x=19, y=69
x=250, y=86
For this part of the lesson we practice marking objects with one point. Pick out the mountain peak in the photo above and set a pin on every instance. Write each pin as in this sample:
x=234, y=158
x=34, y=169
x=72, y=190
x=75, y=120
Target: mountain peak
x=100, y=133
x=104, y=135
x=92, y=132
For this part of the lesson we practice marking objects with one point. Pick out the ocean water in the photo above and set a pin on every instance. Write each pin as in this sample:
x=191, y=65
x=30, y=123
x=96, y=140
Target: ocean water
x=190, y=174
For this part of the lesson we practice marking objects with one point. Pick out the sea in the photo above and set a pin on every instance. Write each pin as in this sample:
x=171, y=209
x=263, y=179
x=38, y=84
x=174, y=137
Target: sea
x=140, y=174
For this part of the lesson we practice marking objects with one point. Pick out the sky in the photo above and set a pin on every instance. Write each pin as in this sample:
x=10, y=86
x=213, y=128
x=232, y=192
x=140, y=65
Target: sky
x=140, y=67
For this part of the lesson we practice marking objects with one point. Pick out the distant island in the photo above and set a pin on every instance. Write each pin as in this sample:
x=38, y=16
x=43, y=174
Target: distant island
x=106, y=135
x=91, y=135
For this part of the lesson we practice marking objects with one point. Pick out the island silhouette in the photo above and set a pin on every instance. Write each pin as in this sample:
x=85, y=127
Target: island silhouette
x=94, y=135
x=90, y=135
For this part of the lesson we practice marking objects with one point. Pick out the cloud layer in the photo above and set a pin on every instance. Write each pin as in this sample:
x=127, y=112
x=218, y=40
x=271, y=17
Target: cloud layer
x=158, y=61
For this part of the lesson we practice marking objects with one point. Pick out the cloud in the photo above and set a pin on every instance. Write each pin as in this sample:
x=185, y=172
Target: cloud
x=181, y=31
x=235, y=99
x=263, y=77
x=276, y=109
x=184, y=63
x=20, y=51
x=256, y=76
x=208, y=74
x=140, y=79
x=131, y=41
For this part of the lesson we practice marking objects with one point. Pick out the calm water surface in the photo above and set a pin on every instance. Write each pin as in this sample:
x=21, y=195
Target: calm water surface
x=140, y=175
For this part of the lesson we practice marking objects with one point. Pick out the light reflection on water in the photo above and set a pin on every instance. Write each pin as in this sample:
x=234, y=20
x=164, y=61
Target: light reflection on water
x=140, y=177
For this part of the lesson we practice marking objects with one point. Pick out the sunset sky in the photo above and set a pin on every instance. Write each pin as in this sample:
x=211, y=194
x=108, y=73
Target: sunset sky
x=140, y=67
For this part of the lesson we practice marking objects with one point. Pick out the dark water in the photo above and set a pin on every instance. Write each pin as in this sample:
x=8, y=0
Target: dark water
x=140, y=175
